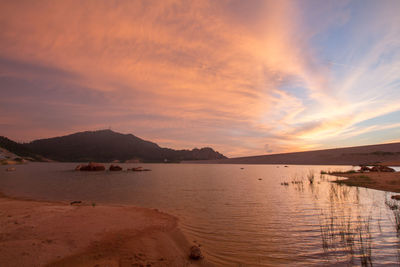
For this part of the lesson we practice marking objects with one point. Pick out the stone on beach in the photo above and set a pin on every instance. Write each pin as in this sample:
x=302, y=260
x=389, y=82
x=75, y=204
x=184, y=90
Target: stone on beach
x=195, y=253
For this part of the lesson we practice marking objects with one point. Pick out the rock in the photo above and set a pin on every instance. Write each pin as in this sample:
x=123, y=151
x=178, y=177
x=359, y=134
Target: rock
x=374, y=169
x=195, y=253
x=396, y=197
x=75, y=202
x=11, y=169
x=115, y=168
x=386, y=169
x=380, y=168
x=78, y=168
x=364, y=168
x=92, y=167
x=139, y=169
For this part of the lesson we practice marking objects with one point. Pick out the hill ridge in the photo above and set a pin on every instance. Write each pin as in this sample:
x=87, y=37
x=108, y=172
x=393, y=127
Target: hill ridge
x=356, y=155
x=107, y=146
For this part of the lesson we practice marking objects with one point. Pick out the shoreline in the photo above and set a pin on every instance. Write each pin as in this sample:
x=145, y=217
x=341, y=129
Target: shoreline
x=41, y=233
x=384, y=181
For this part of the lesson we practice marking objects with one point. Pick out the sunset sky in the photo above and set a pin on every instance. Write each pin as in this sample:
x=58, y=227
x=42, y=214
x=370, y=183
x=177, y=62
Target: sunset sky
x=244, y=77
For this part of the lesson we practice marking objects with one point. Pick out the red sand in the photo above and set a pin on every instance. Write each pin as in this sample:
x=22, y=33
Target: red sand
x=385, y=181
x=37, y=233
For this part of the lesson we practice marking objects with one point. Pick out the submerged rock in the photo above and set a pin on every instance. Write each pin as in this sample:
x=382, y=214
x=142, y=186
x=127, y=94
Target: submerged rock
x=11, y=169
x=115, y=168
x=139, y=169
x=195, y=253
x=91, y=167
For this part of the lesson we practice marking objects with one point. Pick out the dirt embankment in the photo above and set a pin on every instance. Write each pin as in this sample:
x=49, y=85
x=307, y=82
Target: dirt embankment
x=388, y=154
x=386, y=181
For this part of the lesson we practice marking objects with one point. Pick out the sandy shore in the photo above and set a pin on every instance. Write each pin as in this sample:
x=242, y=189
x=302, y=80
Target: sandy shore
x=386, y=181
x=37, y=233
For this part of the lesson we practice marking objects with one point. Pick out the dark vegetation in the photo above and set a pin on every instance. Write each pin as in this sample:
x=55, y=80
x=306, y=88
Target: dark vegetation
x=18, y=149
x=108, y=146
x=345, y=226
x=360, y=180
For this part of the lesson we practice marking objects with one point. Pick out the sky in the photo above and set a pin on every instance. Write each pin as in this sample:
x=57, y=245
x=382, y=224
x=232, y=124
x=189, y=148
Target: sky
x=243, y=77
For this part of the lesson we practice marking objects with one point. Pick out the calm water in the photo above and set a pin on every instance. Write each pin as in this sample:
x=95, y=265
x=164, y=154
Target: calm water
x=241, y=217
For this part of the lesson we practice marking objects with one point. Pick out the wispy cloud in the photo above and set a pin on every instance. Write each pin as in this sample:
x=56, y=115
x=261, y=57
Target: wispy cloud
x=232, y=74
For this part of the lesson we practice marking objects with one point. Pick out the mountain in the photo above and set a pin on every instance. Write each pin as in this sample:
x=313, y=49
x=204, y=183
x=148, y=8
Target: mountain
x=108, y=146
x=372, y=154
x=18, y=149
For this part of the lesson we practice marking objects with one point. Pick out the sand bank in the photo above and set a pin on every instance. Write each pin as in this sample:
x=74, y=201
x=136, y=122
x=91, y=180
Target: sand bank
x=35, y=233
x=385, y=181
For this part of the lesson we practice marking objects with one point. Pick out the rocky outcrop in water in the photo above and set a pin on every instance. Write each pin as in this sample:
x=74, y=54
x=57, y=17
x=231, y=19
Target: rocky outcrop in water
x=138, y=169
x=90, y=167
x=115, y=168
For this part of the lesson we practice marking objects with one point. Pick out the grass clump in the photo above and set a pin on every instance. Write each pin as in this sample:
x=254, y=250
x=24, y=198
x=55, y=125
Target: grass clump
x=359, y=180
x=311, y=176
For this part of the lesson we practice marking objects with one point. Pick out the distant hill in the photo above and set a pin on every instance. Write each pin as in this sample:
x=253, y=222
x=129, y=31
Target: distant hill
x=18, y=149
x=371, y=154
x=108, y=146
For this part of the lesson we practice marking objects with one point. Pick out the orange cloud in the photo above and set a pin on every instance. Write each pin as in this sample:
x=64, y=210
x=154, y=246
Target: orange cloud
x=177, y=72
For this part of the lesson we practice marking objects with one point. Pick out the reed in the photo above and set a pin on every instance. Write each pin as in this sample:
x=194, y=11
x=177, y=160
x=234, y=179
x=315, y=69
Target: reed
x=310, y=176
x=343, y=234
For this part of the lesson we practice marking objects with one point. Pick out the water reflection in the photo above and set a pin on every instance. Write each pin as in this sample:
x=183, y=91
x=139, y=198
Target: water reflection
x=293, y=216
x=349, y=229
x=345, y=230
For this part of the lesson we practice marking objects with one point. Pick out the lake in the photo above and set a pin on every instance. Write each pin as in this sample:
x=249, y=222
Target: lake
x=242, y=215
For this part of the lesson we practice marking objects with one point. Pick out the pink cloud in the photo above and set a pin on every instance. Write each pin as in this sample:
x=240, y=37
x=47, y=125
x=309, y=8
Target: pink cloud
x=176, y=72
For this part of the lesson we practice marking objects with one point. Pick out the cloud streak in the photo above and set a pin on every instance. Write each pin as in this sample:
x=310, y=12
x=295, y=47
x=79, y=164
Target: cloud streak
x=235, y=75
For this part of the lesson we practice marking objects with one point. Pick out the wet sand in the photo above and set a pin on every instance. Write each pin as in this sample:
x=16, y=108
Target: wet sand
x=35, y=233
x=385, y=181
